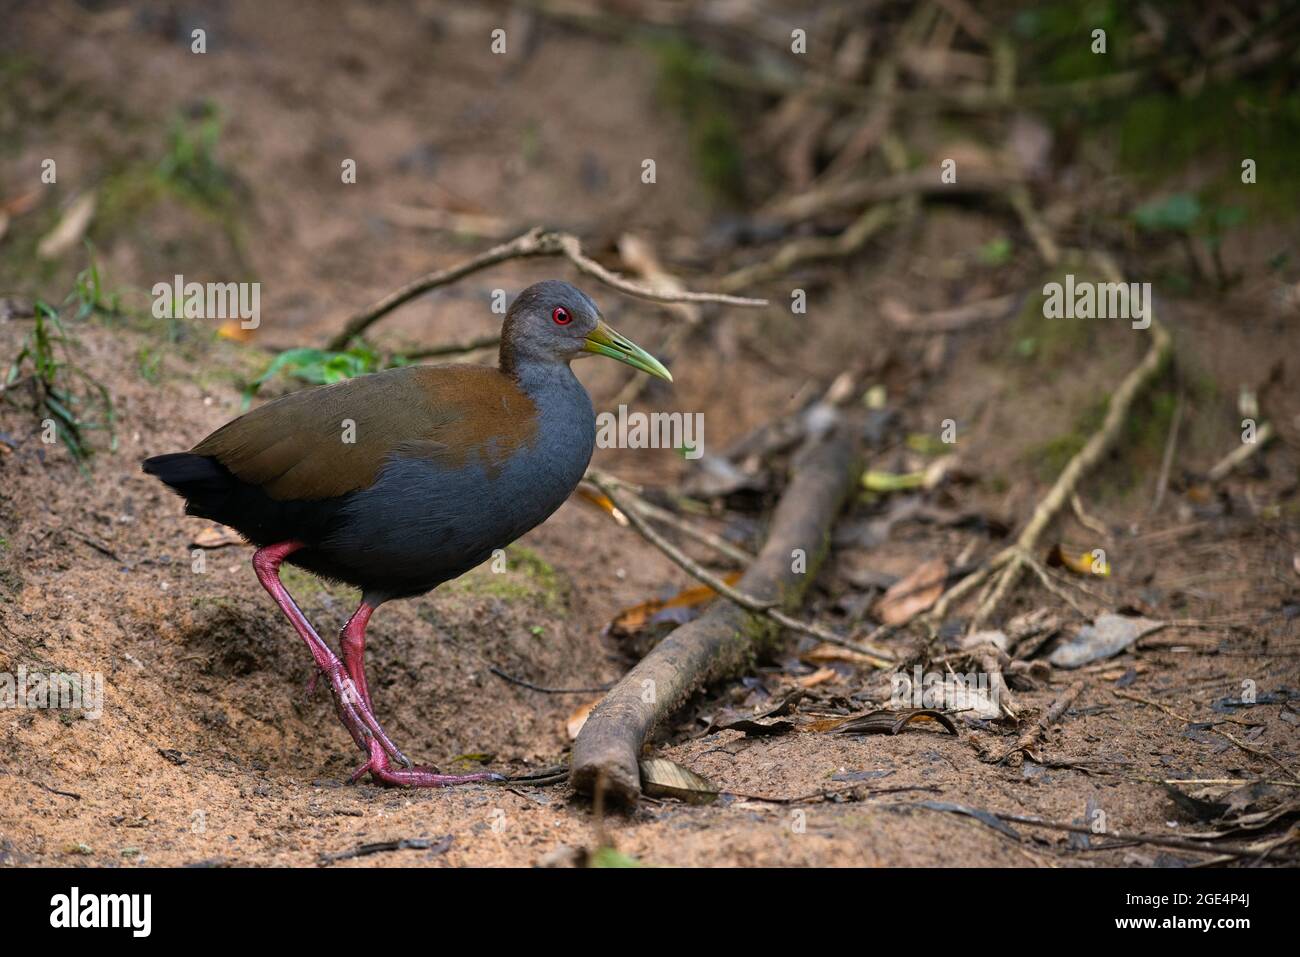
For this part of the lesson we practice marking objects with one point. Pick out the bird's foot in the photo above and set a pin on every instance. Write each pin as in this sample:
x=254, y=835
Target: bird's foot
x=359, y=719
x=413, y=777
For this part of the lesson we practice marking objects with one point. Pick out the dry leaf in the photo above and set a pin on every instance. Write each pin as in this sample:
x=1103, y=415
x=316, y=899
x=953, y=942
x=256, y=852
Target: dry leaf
x=70, y=228
x=216, y=536
x=1106, y=637
x=23, y=203
x=663, y=778
x=1085, y=563
x=235, y=331
x=820, y=676
x=910, y=596
x=603, y=503
x=634, y=619
x=753, y=728
x=888, y=721
x=826, y=653
x=579, y=717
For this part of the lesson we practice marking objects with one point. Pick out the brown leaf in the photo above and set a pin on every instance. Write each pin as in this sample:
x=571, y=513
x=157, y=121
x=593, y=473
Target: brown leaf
x=663, y=778
x=579, y=717
x=632, y=620
x=603, y=503
x=910, y=596
x=216, y=536
x=235, y=331
x=826, y=653
x=754, y=728
x=888, y=721
x=818, y=677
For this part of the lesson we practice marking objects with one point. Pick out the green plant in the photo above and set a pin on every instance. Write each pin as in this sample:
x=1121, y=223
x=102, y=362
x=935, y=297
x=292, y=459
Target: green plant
x=88, y=292
x=319, y=366
x=190, y=165
x=687, y=84
x=63, y=394
x=1183, y=216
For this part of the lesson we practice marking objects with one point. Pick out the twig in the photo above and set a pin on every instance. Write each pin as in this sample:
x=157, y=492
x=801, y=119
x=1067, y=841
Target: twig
x=640, y=257
x=1084, y=461
x=1167, y=460
x=1129, y=696
x=1037, y=568
x=66, y=794
x=1053, y=714
x=438, y=846
x=880, y=657
x=859, y=192
x=536, y=242
x=1018, y=197
x=1239, y=456
x=571, y=249
x=808, y=249
x=1086, y=520
x=945, y=320
x=456, y=348
x=665, y=517
x=532, y=687
x=1157, y=840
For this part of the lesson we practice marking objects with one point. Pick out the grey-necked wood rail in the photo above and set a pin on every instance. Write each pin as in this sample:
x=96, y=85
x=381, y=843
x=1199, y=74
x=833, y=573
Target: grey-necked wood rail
x=399, y=481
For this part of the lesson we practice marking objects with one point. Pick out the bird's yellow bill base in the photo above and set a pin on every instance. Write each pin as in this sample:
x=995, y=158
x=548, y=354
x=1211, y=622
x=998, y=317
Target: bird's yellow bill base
x=605, y=341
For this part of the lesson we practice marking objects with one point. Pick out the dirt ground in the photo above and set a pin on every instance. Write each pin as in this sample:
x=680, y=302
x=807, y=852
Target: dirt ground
x=209, y=749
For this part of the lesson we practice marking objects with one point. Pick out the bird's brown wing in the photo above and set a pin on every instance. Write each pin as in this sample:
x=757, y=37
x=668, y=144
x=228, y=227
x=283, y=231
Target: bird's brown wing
x=297, y=447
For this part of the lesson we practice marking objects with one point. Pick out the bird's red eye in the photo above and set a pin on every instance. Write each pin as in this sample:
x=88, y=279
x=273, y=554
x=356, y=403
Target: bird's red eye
x=561, y=316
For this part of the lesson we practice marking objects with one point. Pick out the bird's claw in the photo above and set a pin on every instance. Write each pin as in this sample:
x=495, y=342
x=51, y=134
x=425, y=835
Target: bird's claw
x=358, y=717
x=414, y=777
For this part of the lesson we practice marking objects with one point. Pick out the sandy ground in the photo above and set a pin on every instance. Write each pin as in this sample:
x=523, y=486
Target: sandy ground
x=209, y=750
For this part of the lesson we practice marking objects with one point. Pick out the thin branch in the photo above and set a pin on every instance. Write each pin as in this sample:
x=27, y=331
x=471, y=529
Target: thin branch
x=536, y=242
x=808, y=249
x=665, y=517
x=1167, y=460
x=1053, y=715
x=1239, y=456
x=1085, y=460
x=455, y=348
x=511, y=679
x=880, y=657
x=1129, y=696
x=858, y=192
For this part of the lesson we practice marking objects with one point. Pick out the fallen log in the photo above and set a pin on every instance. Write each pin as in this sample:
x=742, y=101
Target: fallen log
x=727, y=638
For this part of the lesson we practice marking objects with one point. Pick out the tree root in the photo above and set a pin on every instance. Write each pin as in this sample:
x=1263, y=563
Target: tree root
x=727, y=637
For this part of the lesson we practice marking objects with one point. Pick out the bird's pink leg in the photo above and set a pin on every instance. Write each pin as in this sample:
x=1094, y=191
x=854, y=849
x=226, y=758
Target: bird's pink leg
x=416, y=777
x=354, y=710
x=353, y=641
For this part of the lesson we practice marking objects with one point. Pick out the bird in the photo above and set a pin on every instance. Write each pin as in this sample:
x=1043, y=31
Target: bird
x=399, y=481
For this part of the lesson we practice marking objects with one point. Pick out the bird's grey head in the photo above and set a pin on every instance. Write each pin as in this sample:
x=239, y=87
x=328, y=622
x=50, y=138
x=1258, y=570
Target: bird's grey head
x=555, y=322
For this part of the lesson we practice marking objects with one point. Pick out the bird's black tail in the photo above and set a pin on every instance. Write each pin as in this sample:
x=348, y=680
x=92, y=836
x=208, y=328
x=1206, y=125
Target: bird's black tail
x=212, y=491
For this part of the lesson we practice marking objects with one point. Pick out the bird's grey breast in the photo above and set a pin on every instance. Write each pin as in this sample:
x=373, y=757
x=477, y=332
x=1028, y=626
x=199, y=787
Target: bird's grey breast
x=439, y=520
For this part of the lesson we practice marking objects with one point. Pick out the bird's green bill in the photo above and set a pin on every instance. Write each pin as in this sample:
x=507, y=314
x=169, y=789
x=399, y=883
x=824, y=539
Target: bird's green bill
x=605, y=341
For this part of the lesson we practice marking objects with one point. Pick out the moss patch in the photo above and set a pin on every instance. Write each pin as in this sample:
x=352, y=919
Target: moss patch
x=527, y=578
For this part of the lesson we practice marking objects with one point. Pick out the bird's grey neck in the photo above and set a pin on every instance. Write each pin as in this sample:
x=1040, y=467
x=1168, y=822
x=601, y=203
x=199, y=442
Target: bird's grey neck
x=539, y=379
